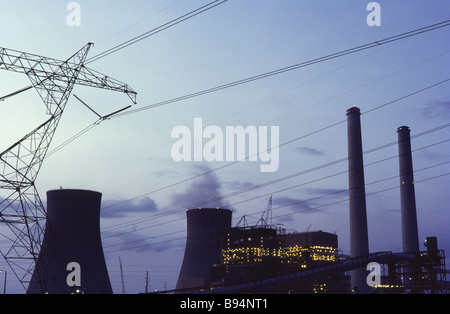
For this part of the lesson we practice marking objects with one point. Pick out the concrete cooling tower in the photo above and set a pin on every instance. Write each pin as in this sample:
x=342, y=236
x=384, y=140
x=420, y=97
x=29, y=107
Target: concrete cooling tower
x=201, y=245
x=72, y=235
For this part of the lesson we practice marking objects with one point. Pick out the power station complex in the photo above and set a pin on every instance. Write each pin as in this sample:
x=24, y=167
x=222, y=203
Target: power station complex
x=261, y=258
x=264, y=259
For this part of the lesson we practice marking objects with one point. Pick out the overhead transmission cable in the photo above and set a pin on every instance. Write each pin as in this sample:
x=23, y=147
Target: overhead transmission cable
x=118, y=226
x=282, y=190
x=141, y=220
x=297, y=202
x=279, y=207
x=264, y=75
x=303, y=64
x=250, y=79
x=294, y=67
x=134, y=40
x=156, y=30
x=367, y=194
x=141, y=21
x=409, y=34
x=281, y=145
x=121, y=46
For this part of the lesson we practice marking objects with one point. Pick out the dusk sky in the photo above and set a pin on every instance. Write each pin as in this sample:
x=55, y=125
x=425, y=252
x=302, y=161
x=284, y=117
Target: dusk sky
x=129, y=157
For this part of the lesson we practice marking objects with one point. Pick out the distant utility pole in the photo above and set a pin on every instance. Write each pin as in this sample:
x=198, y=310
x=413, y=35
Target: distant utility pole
x=121, y=275
x=146, y=282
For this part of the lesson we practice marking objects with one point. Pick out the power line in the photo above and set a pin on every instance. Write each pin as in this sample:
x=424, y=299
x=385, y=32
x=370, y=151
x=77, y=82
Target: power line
x=281, y=145
x=116, y=48
x=73, y=138
x=296, y=203
x=279, y=207
x=345, y=52
x=275, y=72
x=148, y=17
x=142, y=220
x=294, y=67
x=158, y=29
x=367, y=194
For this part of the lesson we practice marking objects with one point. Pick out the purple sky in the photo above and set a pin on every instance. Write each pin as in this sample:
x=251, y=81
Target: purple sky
x=128, y=158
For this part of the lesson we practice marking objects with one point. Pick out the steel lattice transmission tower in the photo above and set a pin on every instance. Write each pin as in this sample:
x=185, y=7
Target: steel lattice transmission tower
x=22, y=209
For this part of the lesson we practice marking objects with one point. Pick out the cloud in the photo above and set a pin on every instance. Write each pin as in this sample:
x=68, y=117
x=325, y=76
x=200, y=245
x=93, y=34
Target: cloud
x=120, y=209
x=309, y=151
x=437, y=109
x=141, y=238
x=317, y=204
x=294, y=204
x=203, y=192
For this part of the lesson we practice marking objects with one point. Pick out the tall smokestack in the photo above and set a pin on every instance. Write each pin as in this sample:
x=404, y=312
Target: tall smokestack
x=410, y=236
x=359, y=240
x=202, y=249
x=72, y=235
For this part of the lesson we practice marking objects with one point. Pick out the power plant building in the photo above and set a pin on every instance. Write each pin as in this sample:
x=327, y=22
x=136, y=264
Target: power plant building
x=256, y=253
x=312, y=238
x=264, y=259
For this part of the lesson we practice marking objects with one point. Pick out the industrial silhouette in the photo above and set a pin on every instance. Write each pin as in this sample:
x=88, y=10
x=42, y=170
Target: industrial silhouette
x=22, y=211
x=410, y=235
x=72, y=235
x=259, y=258
x=201, y=245
x=264, y=259
x=359, y=239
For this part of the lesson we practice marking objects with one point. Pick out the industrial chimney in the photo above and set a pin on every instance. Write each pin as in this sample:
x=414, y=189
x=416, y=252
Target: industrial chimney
x=359, y=240
x=410, y=237
x=72, y=235
x=201, y=245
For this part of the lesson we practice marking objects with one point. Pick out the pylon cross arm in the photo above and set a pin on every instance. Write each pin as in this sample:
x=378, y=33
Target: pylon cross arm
x=42, y=69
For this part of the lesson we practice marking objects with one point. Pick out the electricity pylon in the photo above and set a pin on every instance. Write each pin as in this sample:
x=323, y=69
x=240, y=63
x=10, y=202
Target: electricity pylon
x=22, y=209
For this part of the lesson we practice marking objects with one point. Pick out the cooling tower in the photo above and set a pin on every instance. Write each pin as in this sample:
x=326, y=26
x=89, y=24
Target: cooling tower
x=359, y=240
x=72, y=235
x=410, y=237
x=201, y=245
